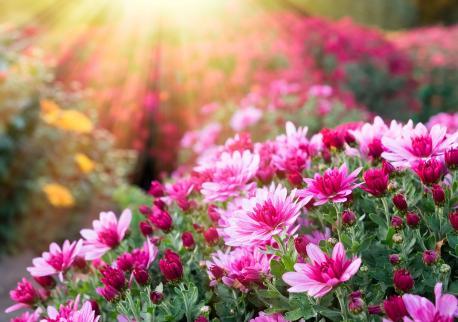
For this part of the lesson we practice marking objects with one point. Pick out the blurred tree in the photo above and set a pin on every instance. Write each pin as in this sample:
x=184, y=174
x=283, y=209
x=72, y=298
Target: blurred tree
x=437, y=11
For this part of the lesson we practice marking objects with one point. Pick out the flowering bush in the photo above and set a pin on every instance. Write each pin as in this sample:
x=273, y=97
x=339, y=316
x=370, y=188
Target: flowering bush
x=53, y=158
x=354, y=223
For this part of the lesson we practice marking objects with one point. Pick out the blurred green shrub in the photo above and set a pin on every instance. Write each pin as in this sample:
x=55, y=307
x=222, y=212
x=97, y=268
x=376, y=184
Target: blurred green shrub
x=54, y=161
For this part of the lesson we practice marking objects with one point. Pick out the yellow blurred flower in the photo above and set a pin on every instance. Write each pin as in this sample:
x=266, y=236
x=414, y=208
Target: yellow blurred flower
x=48, y=106
x=85, y=164
x=69, y=120
x=58, y=195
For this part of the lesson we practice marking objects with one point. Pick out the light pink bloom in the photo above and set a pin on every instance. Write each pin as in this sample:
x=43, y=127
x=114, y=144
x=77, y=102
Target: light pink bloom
x=179, y=192
x=245, y=117
x=415, y=144
x=107, y=234
x=369, y=138
x=57, y=261
x=293, y=144
x=202, y=140
x=323, y=273
x=335, y=185
x=70, y=313
x=449, y=120
x=263, y=317
x=230, y=176
x=270, y=212
x=240, y=268
x=28, y=316
x=422, y=310
x=316, y=236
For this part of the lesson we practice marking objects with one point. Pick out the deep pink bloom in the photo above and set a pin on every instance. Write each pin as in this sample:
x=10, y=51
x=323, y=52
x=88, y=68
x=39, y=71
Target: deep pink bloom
x=156, y=297
x=375, y=182
x=170, y=266
x=156, y=189
x=430, y=171
x=179, y=192
x=108, y=233
x=333, y=138
x=438, y=194
x=240, y=268
x=270, y=212
x=300, y=243
x=403, y=280
x=230, y=176
x=47, y=282
x=421, y=309
x=335, y=185
x=412, y=219
x=323, y=273
x=394, y=308
x=211, y=235
x=25, y=295
x=113, y=277
x=108, y=292
x=263, y=317
x=416, y=144
x=161, y=219
x=430, y=257
x=145, y=228
x=201, y=318
x=57, y=261
x=451, y=157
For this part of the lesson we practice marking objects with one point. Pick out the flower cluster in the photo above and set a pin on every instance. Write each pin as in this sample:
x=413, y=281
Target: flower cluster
x=356, y=220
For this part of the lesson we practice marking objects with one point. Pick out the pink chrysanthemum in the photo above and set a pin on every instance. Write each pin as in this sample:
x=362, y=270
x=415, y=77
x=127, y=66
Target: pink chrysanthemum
x=245, y=117
x=230, y=176
x=270, y=212
x=449, y=120
x=240, y=268
x=369, y=138
x=70, y=312
x=28, y=316
x=107, y=234
x=57, y=261
x=179, y=192
x=421, y=309
x=323, y=273
x=263, y=317
x=416, y=144
x=335, y=185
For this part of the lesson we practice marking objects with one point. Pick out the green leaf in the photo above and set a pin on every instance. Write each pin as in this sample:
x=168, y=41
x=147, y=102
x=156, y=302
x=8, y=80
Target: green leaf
x=277, y=268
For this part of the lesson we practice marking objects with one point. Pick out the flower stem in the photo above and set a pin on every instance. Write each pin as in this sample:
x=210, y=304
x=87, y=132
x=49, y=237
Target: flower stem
x=341, y=298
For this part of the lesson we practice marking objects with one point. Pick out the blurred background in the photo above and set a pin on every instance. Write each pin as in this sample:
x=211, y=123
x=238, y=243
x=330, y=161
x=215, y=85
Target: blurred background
x=97, y=98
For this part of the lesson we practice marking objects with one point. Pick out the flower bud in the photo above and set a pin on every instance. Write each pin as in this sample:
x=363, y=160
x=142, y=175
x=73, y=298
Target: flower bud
x=145, y=228
x=444, y=269
x=349, y=138
x=438, y=195
x=79, y=262
x=375, y=182
x=403, y=281
x=160, y=204
x=400, y=202
x=394, y=308
x=211, y=236
x=113, y=277
x=170, y=266
x=364, y=269
x=201, y=318
x=430, y=257
x=213, y=213
x=188, y=240
x=141, y=276
x=48, y=282
x=430, y=171
x=95, y=307
x=217, y=272
x=156, y=189
x=396, y=222
x=451, y=158
x=332, y=139
x=394, y=259
x=156, y=297
x=355, y=302
x=348, y=218
x=397, y=238
x=161, y=219
x=374, y=309
x=332, y=240
x=108, y=292
x=387, y=168
x=375, y=148
x=300, y=243
x=412, y=220
x=145, y=210
x=453, y=218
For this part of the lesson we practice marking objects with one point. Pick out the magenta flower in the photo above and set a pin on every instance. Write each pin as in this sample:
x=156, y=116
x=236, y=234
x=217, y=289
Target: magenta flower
x=263, y=317
x=57, y=261
x=421, y=309
x=270, y=212
x=323, y=273
x=107, y=234
x=25, y=295
x=230, y=176
x=369, y=138
x=416, y=144
x=245, y=117
x=240, y=268
x=335, y=185
x=28, y=316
